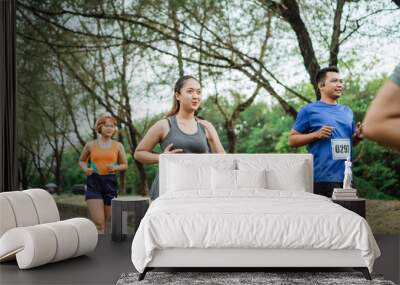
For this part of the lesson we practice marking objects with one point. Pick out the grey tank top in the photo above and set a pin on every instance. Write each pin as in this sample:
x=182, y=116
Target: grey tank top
x=190, y=143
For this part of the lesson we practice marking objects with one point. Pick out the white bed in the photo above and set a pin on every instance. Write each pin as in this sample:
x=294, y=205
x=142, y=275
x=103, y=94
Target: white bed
x=247, y=210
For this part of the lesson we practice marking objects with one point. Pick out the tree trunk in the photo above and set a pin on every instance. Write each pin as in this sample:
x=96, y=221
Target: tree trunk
x=174, y=18
x=57, y=173
x=143, y=187
x=290, y=11
x=334, y=46
x=122, y=184
x=232, y=137
x=23, y=173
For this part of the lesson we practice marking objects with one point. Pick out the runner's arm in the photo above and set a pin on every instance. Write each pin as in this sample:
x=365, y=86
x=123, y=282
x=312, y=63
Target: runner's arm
x=297, y=139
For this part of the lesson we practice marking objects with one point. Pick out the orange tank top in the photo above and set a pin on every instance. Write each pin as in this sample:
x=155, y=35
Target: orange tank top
x=101, y=157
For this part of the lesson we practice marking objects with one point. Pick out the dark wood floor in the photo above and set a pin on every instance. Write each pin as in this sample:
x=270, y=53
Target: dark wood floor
x=102, y=266
x=111, y=259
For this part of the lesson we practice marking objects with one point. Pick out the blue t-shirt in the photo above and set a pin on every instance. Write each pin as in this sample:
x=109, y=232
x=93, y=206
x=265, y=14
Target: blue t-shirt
x=310, y=119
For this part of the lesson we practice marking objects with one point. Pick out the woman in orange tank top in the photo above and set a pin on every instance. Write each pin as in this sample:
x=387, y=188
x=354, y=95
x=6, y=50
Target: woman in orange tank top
x=101, y=159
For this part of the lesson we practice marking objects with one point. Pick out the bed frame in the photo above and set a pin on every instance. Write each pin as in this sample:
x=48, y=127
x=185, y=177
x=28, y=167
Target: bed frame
x=260, y=258
x=241, y=259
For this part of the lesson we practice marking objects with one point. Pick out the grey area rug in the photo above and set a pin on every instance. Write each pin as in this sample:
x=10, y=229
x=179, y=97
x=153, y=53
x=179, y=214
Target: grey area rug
x=225, y=278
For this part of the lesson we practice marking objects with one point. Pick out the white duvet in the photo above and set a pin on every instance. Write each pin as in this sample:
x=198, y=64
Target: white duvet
x=250, y=219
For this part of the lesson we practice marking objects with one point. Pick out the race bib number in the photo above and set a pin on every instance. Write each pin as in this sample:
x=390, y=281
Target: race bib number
x=340, y=148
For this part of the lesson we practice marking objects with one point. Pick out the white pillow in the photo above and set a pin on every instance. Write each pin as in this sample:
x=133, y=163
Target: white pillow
x=292, y=179
x=184, y=177
x=251, y=178
x=223, y=179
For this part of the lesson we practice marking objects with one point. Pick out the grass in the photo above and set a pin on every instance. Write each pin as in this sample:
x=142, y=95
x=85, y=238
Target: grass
x=383, y=216
x=70, y=199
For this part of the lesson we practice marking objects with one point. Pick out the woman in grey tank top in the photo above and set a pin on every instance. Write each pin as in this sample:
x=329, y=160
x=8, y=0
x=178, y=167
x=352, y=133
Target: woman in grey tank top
x=181, y=131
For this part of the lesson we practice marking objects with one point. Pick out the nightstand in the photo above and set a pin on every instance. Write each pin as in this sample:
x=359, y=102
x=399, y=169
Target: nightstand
x=357, y=205
x=120, y=207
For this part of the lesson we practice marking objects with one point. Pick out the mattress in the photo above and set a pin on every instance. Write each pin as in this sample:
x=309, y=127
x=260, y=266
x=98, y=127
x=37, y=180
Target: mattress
x=251, y=219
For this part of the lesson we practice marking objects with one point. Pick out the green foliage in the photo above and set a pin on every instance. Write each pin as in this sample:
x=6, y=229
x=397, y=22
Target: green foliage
x=377, y=170
x=265, y=129
x=132, y=175
x=71, y=172
x=283, y=147
x=269, y=125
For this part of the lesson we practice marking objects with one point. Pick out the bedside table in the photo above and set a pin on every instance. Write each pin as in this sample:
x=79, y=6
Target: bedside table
x=356, y=205
x=120, y=207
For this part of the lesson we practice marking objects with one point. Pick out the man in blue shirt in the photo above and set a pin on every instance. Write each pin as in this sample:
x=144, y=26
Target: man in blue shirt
x=328, y=130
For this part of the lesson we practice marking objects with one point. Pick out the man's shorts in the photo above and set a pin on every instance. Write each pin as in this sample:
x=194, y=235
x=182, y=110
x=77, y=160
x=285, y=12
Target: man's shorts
x=103, y=187
x=326, y=188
